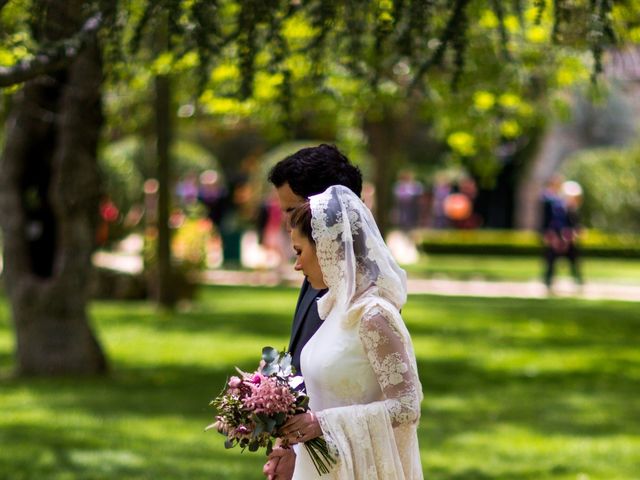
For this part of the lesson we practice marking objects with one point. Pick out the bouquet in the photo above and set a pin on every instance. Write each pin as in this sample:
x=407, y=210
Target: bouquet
x=253, y=406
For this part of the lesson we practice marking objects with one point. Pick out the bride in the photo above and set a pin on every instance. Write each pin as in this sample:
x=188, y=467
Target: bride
x=360, y=368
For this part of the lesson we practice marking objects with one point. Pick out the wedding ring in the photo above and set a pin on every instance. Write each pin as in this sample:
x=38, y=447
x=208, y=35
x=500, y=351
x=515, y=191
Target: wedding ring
x=300, y=435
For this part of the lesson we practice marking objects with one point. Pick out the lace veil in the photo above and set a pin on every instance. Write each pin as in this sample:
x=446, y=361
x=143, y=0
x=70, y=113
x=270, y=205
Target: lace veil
x=352, y=254
x=363, y=380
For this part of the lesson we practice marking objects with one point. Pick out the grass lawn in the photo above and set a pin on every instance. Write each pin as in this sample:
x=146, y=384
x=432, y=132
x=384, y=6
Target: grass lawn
x=514, y=389
x=494, y=267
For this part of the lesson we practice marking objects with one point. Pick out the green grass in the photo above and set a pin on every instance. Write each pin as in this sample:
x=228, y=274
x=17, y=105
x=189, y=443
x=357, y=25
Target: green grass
x=497, y=268
x=514, y=389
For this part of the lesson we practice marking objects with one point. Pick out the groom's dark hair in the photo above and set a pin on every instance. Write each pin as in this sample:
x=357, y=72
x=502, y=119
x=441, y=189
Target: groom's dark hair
x=312, y=170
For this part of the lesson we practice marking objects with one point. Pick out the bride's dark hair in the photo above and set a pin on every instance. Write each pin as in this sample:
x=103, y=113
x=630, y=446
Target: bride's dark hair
x=301, y=219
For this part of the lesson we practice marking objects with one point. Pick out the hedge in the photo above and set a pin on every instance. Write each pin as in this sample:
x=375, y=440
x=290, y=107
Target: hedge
x=519, y=242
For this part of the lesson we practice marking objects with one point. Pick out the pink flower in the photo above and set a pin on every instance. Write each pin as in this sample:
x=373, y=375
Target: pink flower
x=269, y=397
x=243, y=430
x=234, y=382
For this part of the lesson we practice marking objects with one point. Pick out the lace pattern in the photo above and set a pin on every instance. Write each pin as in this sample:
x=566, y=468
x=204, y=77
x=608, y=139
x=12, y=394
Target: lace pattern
x=352, y=254
x=391, y=359
x=360, y=368
x=377, y=440
x=365, y=431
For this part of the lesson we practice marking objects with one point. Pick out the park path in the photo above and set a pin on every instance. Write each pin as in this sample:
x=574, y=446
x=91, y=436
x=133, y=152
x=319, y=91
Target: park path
x=596, y=290
x=467, y=288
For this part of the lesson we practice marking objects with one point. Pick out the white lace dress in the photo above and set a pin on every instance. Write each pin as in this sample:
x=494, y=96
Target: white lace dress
x=362, y=381
x=359, y=367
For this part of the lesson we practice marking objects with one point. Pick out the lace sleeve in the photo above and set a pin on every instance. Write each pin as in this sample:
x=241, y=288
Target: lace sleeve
x=393, y=362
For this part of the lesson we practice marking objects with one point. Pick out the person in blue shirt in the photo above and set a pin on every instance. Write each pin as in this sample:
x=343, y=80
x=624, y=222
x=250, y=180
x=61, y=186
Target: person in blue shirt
x=559, y=228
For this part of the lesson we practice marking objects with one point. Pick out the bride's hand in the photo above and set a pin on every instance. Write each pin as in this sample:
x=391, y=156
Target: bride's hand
x=301, y=428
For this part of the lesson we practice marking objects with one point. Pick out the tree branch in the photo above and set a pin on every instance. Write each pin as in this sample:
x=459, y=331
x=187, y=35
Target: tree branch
x=451, y=30
x=52, y=59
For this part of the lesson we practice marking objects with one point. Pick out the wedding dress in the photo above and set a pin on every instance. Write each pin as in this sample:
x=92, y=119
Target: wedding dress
x=360, y=368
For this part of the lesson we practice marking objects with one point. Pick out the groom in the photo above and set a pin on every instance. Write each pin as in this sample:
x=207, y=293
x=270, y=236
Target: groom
x=296, y=178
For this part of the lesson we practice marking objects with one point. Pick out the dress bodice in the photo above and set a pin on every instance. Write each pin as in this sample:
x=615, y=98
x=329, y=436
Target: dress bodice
x=362, y=382
x=336, y=369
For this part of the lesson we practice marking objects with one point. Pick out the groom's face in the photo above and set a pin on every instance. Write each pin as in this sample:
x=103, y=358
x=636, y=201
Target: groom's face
x=288, y=200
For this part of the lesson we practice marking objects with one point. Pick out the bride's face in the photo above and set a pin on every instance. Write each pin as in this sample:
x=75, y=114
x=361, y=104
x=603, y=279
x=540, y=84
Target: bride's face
x=307, y=260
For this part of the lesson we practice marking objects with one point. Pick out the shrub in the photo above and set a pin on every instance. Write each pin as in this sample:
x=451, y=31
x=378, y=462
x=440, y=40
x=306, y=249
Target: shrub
x=516, y=242
x=611, y=182
x=189, y=246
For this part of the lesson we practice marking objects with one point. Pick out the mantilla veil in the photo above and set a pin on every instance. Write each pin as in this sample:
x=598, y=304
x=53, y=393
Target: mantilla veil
x=360, y=367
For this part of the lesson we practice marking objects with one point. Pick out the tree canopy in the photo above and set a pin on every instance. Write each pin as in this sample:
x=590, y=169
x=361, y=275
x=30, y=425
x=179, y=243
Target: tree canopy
x=273, y=58
x=482, y=73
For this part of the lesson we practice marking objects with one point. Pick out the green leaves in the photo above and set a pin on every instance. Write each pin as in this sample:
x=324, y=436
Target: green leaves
x=269, y=354
x=303, y=403
x=264, y=424
x=276, y=362
x=277, y=61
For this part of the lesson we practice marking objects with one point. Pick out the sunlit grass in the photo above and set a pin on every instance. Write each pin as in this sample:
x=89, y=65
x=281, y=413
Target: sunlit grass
x=514, y=389
x=493, y=267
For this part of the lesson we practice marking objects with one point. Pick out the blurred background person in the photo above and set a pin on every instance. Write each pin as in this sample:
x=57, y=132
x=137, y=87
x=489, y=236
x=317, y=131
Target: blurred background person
x=560, y=226
x=187, y=189
x=272, y=233
x=441, y=190
x=213, y=195
x=407, y=193
x=572, y=195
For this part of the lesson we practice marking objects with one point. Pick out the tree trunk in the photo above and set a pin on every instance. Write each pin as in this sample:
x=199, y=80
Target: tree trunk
x=386, y=130
x=49, y=193
x=166, y=294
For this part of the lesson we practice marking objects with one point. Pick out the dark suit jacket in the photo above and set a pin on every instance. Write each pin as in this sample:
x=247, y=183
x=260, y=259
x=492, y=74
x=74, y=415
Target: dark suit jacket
x=305, y=321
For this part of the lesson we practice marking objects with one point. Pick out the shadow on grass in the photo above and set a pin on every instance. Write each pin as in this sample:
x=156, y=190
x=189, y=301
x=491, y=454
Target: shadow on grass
x=38, y=452
x=599, y=403
x=526, y=323
x=264, y=311
x=267, y=324
x=548, y=403
x=135, y=424
x=151, y=392
x=515, y=473
x=148, y=421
